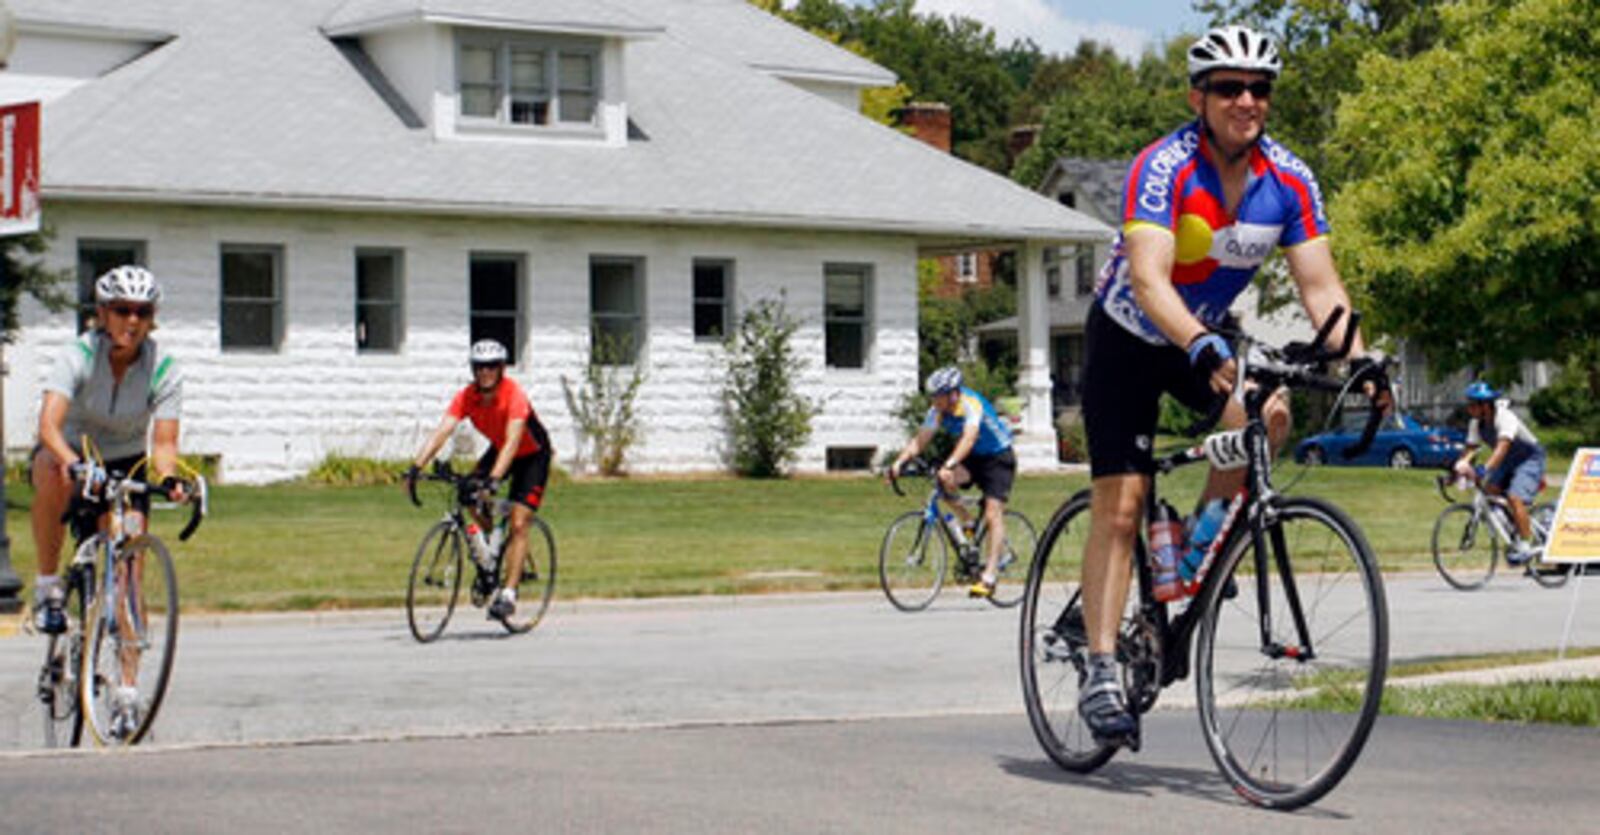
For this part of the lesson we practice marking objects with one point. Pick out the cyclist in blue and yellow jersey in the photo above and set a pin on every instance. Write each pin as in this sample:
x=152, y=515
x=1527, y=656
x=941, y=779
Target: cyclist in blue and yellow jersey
x=982, y=456
x=519, y=448
x=1515, y=468
x=115, y=386
x=1202, y=208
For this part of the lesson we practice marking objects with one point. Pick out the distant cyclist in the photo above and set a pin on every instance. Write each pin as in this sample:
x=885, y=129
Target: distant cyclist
x=982, y=456
x=117, y=387
x=1515, y=468
x=519, y=447
x=1202, y=208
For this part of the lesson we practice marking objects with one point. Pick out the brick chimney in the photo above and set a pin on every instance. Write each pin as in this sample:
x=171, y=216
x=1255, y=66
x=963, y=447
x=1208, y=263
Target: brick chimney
x=1021, y=139
x=929, y=122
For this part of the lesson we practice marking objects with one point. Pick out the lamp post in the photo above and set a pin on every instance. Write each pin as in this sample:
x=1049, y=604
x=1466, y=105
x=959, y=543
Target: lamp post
x=10, y=583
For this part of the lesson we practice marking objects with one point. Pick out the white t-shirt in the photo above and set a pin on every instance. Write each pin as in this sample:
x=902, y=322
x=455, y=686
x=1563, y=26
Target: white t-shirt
x=1506, y=425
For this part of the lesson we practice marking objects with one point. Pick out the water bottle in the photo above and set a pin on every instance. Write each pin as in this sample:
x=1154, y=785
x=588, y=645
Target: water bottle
x=497, y=539
x=956, y=529
x=1204, y=529
x=480, y=546
x=1166, y=546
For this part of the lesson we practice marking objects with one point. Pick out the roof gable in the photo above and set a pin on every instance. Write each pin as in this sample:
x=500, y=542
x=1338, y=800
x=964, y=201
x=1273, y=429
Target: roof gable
x=589, y=17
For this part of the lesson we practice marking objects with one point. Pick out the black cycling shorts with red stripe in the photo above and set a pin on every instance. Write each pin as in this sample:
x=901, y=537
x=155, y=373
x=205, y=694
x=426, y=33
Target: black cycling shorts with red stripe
x=528, y=475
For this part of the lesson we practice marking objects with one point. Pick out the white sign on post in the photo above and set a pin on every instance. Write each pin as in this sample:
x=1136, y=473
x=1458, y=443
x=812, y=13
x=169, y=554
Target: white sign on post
x=19, y=168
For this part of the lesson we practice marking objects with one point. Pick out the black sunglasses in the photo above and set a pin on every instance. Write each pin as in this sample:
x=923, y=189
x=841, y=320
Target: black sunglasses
x=143, y=311
x=1232, y=88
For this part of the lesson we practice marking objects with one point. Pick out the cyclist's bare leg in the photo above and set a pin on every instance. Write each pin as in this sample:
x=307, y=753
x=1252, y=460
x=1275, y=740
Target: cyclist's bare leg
x=1519, y=514
x=517, y=545
x=950, y=482
x=994, y=519
x=52, y=491
x=1116, y=505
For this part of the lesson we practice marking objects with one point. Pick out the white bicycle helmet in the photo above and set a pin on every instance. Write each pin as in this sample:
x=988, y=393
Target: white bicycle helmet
x=1233, y=48
x=488, y=352
x=945, y=379
x=127, y=283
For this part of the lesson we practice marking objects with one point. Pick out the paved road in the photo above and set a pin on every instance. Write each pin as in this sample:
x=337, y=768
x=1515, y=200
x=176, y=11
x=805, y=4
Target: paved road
x=952, y=774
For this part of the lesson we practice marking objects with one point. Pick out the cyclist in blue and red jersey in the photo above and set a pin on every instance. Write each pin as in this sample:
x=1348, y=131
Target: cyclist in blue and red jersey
x=1202, y=208
x=519, y=447
x=982, y=456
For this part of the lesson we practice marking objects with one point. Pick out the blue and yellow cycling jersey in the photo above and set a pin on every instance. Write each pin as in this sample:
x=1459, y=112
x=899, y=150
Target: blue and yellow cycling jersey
x=1174, y=185
x=994, y=436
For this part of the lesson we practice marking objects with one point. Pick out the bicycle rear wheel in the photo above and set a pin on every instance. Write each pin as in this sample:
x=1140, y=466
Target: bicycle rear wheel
x=538, y=582
x=1465, y=547
x=1016, y=557
x=63, y=661
x=1285, y=722
x=1550, y=575
x=435, y=581
x=131, y=629
x=1053, y=647
x=911, y=562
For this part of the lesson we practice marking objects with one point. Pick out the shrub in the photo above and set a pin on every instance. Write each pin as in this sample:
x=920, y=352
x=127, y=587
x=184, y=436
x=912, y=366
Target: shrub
x=602, y=406
x=355, y=471
x=1072, y=441
x=767, y=419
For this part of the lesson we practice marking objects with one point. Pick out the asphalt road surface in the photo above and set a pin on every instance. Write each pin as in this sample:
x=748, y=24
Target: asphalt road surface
x=804, y=713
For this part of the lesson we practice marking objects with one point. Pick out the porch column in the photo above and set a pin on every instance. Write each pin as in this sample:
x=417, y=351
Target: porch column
x=1037, y=446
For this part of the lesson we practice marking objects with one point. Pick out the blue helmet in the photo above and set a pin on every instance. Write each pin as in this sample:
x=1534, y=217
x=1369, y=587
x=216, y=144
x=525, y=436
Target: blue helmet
x=943, y=380
x=1480, y=392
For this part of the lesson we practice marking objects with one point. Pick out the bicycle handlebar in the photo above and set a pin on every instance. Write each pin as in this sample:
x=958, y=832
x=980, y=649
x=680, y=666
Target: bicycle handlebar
x=443, y=472
x=100, y=485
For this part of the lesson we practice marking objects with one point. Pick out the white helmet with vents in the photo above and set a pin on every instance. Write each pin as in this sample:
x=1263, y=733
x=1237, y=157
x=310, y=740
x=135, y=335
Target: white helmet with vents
x=488, y=352
x=127, y=283
x=943, y=380
x=1233, y=48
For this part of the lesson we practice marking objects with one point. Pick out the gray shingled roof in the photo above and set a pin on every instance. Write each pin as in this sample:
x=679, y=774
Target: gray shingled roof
x=558, y=15
x=253, y=105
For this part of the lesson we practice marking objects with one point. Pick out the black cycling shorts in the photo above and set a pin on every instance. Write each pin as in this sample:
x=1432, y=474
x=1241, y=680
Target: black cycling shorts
x=1123, y=380
x=528, y=474
x=993, y=474
x=85, y=518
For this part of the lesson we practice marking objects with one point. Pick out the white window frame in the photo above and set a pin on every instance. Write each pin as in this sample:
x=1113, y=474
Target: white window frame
x=394, y=307
x=519, y=280
x=552, y=49
x=275, y=301
x=864, y=319
x=967, y=267
x=723, y=302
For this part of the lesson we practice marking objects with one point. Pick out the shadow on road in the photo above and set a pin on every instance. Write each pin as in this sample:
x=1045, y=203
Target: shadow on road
x=1144, y=780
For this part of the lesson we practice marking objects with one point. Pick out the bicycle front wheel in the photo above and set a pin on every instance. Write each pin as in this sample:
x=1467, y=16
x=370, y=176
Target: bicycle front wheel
x=1549, y=575
x=1286, y=720
x=1465, y=547
x=131, y=633
x=1053, y=646
x=911, y=562
x=1016, y=556
x=538, y=582
x=63, y=661
x=435, y=581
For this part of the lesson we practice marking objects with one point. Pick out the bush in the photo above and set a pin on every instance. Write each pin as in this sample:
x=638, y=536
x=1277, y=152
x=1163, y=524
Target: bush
x=602, y=406
x=1072, y=441
x=354, y=471
x=1565, y=401
x=767, y=419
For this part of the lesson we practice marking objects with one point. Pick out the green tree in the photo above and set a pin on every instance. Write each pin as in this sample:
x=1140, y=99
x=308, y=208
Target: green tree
x=1470, y=220
x=1103, y=106
x=768, y=419
x=24, y=275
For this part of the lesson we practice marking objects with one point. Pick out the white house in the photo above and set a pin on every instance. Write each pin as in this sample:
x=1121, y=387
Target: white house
x=340, y=195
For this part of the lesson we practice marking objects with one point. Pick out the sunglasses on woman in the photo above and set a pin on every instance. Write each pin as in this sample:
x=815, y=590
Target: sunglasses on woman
x=143, y=311
x=1232, y=88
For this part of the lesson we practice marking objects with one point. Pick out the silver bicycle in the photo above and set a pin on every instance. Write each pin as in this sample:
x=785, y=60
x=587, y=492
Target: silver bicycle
x=1471, y=534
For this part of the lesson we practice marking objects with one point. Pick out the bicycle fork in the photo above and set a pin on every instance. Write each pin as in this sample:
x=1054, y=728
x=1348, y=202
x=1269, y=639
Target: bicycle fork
x=1259, y=536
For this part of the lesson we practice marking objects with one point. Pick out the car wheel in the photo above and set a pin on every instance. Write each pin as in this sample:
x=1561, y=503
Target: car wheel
x=1314, y=456
x=1401, y=459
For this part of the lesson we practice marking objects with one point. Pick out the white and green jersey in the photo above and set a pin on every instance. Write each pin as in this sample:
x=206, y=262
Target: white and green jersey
x=115, y=414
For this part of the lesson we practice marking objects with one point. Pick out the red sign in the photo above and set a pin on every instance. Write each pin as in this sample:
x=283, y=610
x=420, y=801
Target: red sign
x=19, y=169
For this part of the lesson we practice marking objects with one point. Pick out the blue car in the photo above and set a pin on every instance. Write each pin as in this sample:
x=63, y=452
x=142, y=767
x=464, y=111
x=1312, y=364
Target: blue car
x=1401, y=442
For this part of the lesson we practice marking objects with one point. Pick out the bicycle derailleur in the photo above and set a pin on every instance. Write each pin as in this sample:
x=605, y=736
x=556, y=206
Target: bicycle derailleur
x=1139, y=651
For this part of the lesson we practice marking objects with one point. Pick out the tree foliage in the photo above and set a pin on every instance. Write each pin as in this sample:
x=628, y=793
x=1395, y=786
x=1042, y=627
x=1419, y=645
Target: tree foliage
x=1470, y=218
x=26, y=275
x=768, y=419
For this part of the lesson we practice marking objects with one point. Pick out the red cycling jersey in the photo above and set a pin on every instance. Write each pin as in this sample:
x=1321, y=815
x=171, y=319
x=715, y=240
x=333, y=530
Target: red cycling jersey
x=491, y=414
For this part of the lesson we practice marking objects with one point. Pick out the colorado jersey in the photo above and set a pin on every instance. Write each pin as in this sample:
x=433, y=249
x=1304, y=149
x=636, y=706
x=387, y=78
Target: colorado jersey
x=1173, y=185
x=994, y=436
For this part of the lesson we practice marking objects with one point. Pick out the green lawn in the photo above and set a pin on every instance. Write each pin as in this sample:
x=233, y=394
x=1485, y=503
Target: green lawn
x=299, y=546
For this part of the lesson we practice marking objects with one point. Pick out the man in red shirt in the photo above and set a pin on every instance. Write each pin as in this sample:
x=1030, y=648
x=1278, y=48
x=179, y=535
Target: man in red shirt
x=499, y=410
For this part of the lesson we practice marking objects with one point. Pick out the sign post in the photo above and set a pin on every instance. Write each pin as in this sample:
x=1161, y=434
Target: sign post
x=1575, y=532
x=19, y=214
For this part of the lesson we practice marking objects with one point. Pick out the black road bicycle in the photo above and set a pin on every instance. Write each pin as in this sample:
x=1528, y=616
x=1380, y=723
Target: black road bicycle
x=1289, y=625
x=113, y=663
x=437, y=570
x=916, y=550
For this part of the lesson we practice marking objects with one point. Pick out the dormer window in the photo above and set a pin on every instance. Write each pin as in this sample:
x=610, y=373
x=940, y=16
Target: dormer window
x=521, y=79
